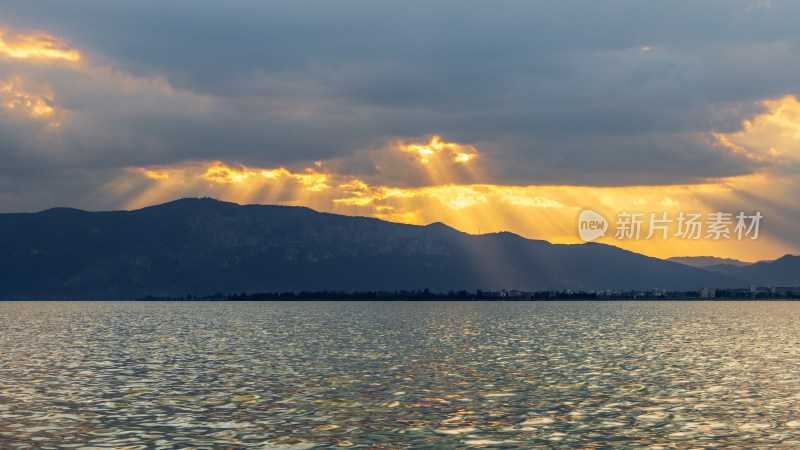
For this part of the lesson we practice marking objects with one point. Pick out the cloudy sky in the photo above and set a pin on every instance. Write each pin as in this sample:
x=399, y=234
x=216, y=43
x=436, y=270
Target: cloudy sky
x=488, y=116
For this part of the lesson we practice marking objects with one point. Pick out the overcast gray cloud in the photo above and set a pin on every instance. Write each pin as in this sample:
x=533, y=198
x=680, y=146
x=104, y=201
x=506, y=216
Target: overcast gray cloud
x=552, y=92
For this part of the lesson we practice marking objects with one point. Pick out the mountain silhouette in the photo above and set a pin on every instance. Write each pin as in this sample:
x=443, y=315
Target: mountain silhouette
x=204, y=246
x=784, y=271
x=707, y=261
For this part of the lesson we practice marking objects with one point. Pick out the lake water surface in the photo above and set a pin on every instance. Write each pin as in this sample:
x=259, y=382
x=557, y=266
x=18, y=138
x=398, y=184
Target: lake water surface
x=399, y=374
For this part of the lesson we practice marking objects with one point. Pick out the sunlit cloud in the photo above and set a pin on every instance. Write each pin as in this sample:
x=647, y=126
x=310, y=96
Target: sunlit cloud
x=21, y=99
x=97, y=112
x=35, y=91
x=542, y=212
x=534, y=202
x=221, y=173
x=16, y=99
x=156, y=174
x=441, y=151
x=36, y=45
x=669, y=202
x=224, y=174
x=771, y=136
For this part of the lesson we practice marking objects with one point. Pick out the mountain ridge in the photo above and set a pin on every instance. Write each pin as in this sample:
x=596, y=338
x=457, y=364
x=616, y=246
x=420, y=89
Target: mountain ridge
x=201, y=246
x=707, y=261
x=783, y=271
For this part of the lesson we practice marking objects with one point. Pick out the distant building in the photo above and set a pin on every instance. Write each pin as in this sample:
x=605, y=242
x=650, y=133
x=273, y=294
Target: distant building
x=784, y=290
x=513, y=294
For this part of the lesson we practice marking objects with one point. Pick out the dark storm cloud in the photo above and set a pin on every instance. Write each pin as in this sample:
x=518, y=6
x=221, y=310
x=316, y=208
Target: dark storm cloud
x=598, y=93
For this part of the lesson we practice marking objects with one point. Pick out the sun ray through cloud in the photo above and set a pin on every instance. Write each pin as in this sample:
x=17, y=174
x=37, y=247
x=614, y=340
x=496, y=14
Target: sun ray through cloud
x=546, y=212
x=155, y=135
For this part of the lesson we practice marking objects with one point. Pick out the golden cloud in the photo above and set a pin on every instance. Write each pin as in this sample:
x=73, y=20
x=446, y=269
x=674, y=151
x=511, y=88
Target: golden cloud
x=773, y=136
x=37, y=46
x=421, y=182
x=541, y=212
x=20, y=96
x=440, y=151
x=26, y=100
x=24, y=93
x=16, y=99
x=221, y=173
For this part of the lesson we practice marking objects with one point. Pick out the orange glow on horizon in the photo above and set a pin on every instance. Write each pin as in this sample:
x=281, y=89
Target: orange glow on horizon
x=538, y=212
x=412, y=181
x=460, y=195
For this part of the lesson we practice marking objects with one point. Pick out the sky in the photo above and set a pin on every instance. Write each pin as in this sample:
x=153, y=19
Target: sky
x=488, y=116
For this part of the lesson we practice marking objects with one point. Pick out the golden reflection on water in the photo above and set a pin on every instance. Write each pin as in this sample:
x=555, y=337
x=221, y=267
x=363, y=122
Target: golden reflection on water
x=399, y=374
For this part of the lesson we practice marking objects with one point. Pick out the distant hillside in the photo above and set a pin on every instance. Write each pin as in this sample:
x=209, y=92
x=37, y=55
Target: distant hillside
x=784, y=271
x=706, y=261
x=203, y=246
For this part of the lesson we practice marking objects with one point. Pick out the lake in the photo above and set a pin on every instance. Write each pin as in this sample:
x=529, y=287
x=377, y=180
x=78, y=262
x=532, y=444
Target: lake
x=399, y=374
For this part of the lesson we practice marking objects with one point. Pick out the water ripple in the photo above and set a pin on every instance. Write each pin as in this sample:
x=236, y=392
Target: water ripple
x=399, y=374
